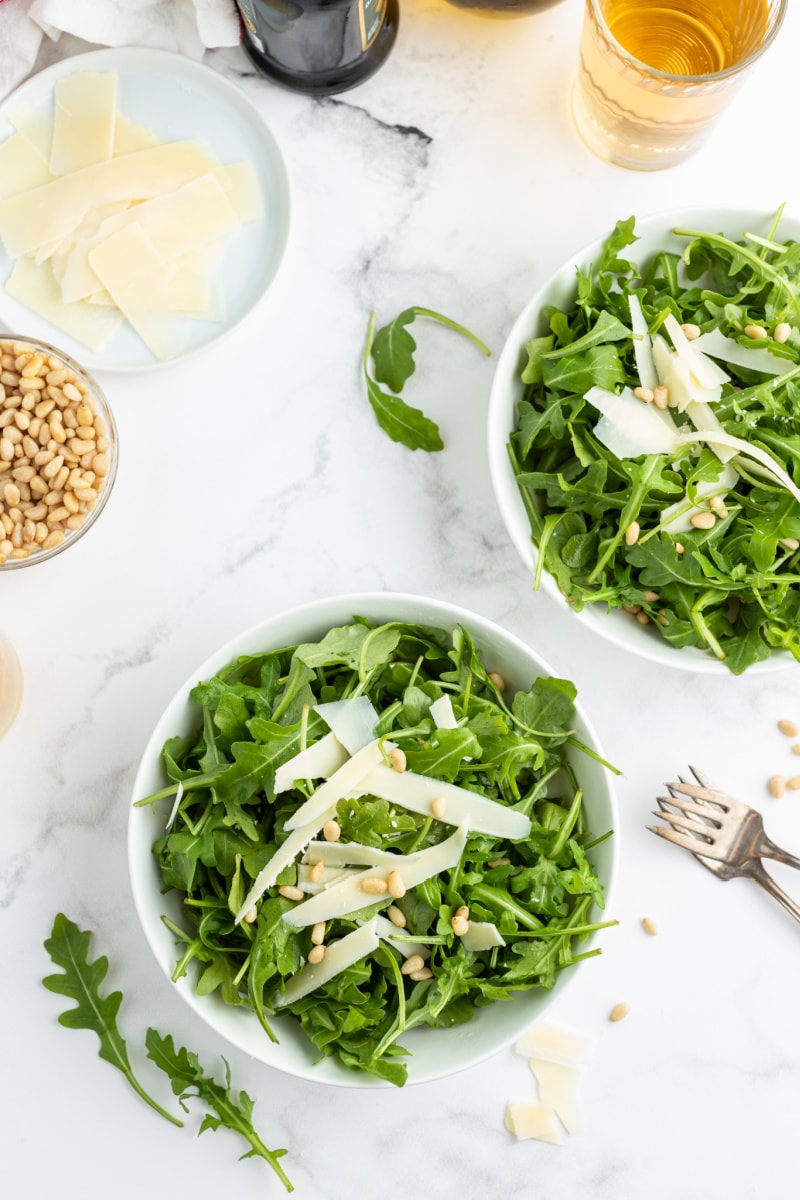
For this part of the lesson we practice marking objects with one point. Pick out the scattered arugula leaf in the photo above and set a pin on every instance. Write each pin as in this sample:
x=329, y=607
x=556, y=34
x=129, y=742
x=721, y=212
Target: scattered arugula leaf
x=734, y=590
x=80, y=980
x=391, y=350
x=188, y=1080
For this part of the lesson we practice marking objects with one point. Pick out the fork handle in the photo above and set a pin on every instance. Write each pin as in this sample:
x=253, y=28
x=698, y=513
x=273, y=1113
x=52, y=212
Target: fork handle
x=768, y=849
x=765, y=881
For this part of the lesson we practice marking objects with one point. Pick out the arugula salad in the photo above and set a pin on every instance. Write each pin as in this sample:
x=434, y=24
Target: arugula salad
x=657, y=448
x=371, y=833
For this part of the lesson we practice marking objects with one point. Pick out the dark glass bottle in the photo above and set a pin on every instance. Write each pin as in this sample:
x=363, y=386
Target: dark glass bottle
x=504, y=8
x=318, y=46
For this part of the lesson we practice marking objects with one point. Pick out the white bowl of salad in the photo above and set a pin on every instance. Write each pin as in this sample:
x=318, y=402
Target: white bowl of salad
x=644, y=438
x=373, y=839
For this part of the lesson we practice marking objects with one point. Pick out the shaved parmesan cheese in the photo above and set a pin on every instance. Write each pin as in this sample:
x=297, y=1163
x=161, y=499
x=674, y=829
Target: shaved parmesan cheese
x=554, y=1044
x=628, y=427
x=754, y=358
x=83, y=122
x=528, y=1120
x=128, y=138
x=739, y=446
x=642, y=348
x=315, y=762
x=21, y=166
x=329, y=877
x=342, y=783
x=418, y=792
x=35, y=287
x=352, y=721
x=556, y=1084
x=676, y=375
x=345, y=854
x=389, y=932
x=442, y=712
x=338, y=957
x=51, y=211
x=482, y=935
x=285, y=854
x=348, y=897
x=175, y=807
x=707, y=373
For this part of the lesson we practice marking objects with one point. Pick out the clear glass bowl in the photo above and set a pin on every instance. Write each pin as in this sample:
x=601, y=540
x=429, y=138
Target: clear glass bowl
x=90, y=508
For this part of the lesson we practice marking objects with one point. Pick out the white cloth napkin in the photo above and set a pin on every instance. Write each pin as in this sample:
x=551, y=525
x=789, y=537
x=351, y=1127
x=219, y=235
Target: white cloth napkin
x=185, y=26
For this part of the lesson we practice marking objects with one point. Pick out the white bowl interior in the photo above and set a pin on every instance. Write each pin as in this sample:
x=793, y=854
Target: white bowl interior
x=434, y=1053
x=654, y=233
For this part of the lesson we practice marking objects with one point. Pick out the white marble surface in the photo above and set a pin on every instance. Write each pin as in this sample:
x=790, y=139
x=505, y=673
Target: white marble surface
x=253, y=478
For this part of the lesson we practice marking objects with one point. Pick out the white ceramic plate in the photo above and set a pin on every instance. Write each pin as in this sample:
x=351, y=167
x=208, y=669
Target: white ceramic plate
x=178, y=99
x=654, y=233
x=434, y=1053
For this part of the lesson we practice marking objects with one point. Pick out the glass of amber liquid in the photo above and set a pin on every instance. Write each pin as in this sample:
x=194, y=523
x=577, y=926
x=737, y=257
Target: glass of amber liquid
x=10, y=685
x=655, y=74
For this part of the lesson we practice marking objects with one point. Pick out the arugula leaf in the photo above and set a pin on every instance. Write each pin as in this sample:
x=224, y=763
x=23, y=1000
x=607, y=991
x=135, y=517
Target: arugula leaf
x=391, y=350
x=80, y=980
x=189, y=1080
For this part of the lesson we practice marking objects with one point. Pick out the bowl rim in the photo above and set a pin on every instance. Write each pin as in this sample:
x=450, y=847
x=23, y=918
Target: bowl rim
x=104, y=410
x=506, y=390
x=234, y=1023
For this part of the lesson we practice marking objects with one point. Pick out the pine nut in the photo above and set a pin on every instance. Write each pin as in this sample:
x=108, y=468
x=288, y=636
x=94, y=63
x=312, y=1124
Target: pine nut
x=703, y=520
x=374, y=886
x=397, y=759
x=331, y=831
x=317, y=871
x=499, y=862
x=396, y=886
x=438, y=807
x=661, y=396
x=422, y=973
x=690, y=331
x=788, y=728
x=777, y=786
x=463, y=911
x=251, y=915
x=649, y=926
x=318, y=933
x=632, y=533
x=782, y=332
x=633, y=609
x=497, y=680
x=316, y=954
x=459, y=925
x=790, y=543
x=644, y=394
x=680, y=548
x=71, y=392
x=651, y=596
x=642, y=618
x=756, y=332
x=796, y=748
x=619, y=1011
x=396, y=916
x=793, y=784
x=290, y=892
x=53, y=539
x=414, y=962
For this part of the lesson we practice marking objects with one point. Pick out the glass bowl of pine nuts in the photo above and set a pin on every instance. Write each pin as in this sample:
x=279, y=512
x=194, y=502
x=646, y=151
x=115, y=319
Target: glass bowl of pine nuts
x=58, y=451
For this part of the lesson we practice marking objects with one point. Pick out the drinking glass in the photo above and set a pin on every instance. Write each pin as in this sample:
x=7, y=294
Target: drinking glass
x=654, y=75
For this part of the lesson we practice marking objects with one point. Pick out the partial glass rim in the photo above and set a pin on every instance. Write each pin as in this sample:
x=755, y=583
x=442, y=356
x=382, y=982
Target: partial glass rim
x=735, y=68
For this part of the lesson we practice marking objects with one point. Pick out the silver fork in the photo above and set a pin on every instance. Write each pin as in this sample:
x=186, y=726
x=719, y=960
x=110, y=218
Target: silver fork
x=723, y=834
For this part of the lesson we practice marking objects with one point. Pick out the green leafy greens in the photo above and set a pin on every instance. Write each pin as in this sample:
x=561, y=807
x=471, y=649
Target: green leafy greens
x=539, y=891
x=731, y=590
x=391, y=350
x=80, y=980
